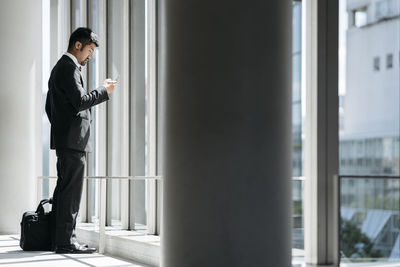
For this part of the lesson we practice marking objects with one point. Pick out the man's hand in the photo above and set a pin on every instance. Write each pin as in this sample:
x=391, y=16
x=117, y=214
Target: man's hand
x=109, y=85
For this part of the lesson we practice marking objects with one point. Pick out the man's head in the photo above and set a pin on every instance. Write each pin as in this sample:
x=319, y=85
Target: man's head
x=82, y=43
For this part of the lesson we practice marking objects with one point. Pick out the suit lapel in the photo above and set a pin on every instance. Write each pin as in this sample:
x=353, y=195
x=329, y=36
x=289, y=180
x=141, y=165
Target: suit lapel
x=80, y=75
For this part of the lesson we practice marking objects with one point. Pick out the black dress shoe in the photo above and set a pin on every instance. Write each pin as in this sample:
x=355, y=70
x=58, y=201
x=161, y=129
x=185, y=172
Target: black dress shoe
x=74, y=249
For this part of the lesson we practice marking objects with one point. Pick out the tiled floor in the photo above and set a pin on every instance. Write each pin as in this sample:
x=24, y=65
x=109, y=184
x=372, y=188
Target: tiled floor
x=11, y=255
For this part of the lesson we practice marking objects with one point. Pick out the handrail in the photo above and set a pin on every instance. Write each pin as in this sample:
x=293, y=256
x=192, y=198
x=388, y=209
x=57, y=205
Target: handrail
x=139, y=178
x=295, y=178
x=369, y=176
x=102, y=204
x=111, y=177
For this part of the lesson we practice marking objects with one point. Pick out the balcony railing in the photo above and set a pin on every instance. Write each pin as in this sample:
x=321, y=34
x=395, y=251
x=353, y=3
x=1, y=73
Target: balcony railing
x=297, y=217
x=369, y=218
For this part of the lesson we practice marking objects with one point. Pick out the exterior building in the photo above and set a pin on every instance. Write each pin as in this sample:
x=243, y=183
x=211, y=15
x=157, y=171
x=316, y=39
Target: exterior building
x=369, y=130
x=369, y=138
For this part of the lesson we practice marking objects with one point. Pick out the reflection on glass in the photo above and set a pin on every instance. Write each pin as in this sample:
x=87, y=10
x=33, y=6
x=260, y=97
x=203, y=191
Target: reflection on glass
x=369, y=221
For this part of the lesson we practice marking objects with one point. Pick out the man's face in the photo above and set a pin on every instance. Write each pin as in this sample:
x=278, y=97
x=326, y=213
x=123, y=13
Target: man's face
x=84, y=54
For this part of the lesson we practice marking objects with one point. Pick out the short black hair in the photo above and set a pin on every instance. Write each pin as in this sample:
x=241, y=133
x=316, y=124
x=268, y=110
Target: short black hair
x=83, y=35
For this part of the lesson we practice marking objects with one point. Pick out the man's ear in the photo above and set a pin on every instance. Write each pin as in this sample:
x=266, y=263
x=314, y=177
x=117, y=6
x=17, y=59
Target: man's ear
x=78, y=45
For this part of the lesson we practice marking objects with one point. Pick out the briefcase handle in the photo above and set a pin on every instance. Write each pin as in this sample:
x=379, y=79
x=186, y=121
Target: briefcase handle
x=40, y=209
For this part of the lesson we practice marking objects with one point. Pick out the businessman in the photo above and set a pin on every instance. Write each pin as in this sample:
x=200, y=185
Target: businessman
x=68, y=109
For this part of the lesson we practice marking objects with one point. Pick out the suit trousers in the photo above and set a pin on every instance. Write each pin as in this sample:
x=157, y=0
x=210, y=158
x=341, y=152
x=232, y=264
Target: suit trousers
x=67, y=194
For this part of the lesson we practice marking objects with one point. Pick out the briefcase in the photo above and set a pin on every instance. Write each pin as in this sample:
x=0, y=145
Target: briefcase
x=36, y=229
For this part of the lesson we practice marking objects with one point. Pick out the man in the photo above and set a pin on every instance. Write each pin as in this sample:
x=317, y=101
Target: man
x=68, y=109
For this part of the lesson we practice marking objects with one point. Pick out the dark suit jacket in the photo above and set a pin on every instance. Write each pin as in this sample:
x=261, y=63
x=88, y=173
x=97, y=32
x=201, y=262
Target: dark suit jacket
x=68, y=106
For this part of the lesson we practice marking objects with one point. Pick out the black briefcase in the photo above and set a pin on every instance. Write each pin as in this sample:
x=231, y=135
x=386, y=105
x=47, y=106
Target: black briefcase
x=36, y=229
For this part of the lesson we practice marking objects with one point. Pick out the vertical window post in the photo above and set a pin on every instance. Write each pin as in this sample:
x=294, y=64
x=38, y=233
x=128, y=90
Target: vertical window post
x=320, y=43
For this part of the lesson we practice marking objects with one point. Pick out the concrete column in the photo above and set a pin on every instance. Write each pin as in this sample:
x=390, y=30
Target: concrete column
x=20, y=109
x=225, y=68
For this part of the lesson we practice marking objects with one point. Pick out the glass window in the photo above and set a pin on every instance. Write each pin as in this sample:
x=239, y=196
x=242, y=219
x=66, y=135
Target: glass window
x=376, y=63
x=121, y=128
x=369, y=227
x=389, y=61
x=360, y=17
x=297, y=141
x=118, y=110
x=384, y=9
x=78, y=14
x=45, y=121
x=369, y=132
x=93, y=82
x=139, y=116
x=297, y=115
x=78, y=19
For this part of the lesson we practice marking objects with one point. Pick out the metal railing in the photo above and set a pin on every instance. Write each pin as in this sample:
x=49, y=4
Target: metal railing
x=103, y=193
x=368, y=177
x=361, y=202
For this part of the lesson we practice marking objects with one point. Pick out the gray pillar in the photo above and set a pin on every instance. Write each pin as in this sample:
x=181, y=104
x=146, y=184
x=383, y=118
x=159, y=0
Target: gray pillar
x=225, y=68
x=20, y=109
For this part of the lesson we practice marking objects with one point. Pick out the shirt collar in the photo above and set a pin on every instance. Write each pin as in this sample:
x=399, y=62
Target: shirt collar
x=71, y=56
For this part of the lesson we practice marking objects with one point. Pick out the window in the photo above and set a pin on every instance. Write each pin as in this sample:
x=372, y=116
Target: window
x=376, y=63
x=360, y=17
x=118, y=57
x=383, y=9
x=96, y=71
x=389, y=61
x=297, y=133
x=138, y=117
x=123, y=128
